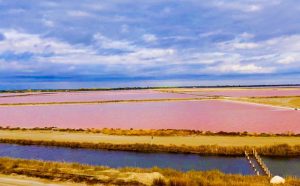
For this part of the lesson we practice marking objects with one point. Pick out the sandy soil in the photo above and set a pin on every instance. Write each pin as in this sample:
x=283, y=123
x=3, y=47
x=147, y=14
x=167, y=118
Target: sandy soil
x=176, y=140
x=16, y=180
x=246, y=101
x=20, y=180
x=290, y=102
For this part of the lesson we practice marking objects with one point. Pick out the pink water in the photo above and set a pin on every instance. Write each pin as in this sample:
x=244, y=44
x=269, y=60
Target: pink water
x=88, y=96
x=251, y=92
x=210, y=115
x=136, y=94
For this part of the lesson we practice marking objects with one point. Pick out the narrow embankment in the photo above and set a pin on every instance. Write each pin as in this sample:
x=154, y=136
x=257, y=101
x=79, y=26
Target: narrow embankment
x=280, y=102
x=102, y=102
x=148, y=137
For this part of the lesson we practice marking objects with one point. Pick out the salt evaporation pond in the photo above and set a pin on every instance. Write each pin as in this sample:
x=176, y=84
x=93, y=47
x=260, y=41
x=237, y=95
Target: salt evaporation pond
x=42, y=97
x=208, y=115
x=88, y=96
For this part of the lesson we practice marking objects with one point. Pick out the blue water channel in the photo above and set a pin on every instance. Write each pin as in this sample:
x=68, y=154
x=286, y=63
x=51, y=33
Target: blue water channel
x=116, y=159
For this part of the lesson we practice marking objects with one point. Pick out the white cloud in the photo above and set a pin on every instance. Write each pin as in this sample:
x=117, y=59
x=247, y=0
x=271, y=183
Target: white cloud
x=4, y=66
x=261, y=56
x=285, y=43
x=147, y=53
x=235, y=56
x=48, y=23
x=285, y=50
x=95, y=6
x=168, y=46
x=78, y=13
x=245, y=69
x=245, y=45
x=253, y=8
x=107, y=43
x=237, y=44
x=289, y=58
x=178, y=38
x=209, y=57
x=211, y=33
x=65, y=53
x=279, y=45
x=124, y=28
x=19, y=42
x=247, y=35
x=149, y=38
x=240, y=6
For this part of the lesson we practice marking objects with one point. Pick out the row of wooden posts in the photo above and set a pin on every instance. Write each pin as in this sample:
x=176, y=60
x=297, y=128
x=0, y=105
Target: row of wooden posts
x=251, y=163
x=259, y=161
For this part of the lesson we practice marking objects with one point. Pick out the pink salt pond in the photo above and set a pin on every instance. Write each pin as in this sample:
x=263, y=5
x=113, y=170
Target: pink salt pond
x=87, y=96
x=209, y=115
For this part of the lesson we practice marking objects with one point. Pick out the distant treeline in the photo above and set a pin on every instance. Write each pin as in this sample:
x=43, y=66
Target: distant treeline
x=140, y=88
x=283, y=150
x=152, y=132
x=73, y=172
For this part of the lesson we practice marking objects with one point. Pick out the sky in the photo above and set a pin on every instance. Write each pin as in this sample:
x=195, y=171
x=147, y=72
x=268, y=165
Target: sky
x=125, y=43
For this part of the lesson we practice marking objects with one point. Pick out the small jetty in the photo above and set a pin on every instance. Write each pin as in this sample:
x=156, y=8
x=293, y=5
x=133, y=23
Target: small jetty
x=255, y=161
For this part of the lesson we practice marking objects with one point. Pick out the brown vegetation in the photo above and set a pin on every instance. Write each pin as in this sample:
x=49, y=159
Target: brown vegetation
x=275, y=150
x=282, y=101
x=62, y=172
x=124, y=176
x=150, y=132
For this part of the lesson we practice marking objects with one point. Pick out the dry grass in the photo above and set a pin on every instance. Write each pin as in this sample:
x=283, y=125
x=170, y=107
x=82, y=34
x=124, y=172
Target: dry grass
x=283, y=101
x=162, y=132
x=127, y=176
x=76, y=172
x=49, y=135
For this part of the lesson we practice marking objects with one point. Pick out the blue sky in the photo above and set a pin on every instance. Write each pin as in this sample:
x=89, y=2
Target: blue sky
x=118, y=43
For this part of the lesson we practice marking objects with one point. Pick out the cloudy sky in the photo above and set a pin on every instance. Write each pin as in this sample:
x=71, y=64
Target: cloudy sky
x=117, y=43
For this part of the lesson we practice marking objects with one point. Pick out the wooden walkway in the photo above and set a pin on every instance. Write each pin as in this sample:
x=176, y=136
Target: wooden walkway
x=255, y=161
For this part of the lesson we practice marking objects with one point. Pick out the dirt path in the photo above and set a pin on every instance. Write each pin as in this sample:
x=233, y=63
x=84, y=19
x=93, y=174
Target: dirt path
x=17, y=182
x=21, y=181
x=100, y=102
x=257, y=104
x=159, y=140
